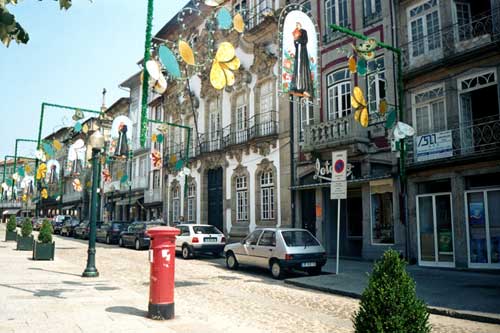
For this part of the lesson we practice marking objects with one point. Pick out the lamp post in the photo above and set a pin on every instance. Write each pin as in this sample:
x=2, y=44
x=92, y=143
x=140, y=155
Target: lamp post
x=97, y=144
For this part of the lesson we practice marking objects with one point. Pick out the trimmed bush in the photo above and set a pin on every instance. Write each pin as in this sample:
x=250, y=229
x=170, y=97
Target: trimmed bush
x=11, y=225
x=26, y=228
x=389, y=303
x=45, y=235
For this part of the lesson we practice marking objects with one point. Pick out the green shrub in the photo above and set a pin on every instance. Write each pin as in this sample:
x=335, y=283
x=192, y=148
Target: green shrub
x=26, y=228
x=11, y=225
x=389, y=303
x=45, y=235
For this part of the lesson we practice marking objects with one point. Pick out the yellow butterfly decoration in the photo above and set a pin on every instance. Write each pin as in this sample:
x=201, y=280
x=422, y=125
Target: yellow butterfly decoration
x=25, y=198
x=44, y=194
x=77, y=185
x=238, y=23
x=382, y=107
x=41, y=172
x=27, y=169
x=358, y=102
x=154, y=138
x=186, y=53
x=224, y=63
x=57, y=145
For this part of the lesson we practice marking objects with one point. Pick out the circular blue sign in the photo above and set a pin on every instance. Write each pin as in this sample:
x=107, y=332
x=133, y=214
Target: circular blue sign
x=339, y=166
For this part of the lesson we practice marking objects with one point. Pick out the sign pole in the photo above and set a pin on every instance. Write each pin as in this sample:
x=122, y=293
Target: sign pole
x=338, y=238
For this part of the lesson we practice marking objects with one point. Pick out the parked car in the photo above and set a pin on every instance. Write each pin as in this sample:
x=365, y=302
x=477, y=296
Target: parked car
x=110, y=232
x=83, y=229
x=38, y=223
x=68, y=228
x=58, y=222
x=199, y=238
x=278, y=249
x=19, y=221
x=135, y=235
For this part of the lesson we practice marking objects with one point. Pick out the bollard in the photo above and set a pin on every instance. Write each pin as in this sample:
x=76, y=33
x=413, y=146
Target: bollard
x=162, y=281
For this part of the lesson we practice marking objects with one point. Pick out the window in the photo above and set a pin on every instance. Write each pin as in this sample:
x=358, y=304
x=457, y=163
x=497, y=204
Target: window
x=424, y=28
x=253, y=237
x=191, y=202
x=372, y=10
x=339, y=94
x=268, y=238
x=381, y=214
x=376, y=83
x=306, y=117
x=143, y=171
x=214, y=124
x=240, y=6
x=429, y=111
x=267, y=195
x=176, y=204
x=299, y=238
x=336, y=13
x=241, y=199
x=462, y=17
x=156, y=179
x=266, y=100
x=241, y=119
x=156, y=114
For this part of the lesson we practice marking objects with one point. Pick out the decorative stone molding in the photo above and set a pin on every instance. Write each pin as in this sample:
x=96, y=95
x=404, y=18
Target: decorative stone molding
x=213, y=161
x=263, y=62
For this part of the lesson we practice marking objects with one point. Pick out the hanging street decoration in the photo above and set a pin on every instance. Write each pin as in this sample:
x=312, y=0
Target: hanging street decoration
x=39, y=154
x=214, y=3
x=54, y=169
x=76, y=157
x=77, y=185
x=299, y=53
x=402, y=131
x=358, y=102
x=224, y=63
x=78, y=127
x=238, y=23
x=57, y=145
x=382, y=107
x=224, y=19
x=366, y=50
x=106, y=176
x=41, y=172
x=44, y=193
x=28, y=169
x=78, y=115
x=169, y=61
x=120, y=137
x=391, y=119
x=156, y=161
x=186, y=53
x=352, y=64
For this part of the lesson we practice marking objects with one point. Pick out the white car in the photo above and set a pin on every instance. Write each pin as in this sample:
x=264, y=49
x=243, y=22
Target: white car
x=278, y=249
x=199, y=238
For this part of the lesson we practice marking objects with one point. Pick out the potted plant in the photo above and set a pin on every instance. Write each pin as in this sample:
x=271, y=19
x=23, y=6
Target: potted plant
x=11, y=234
x=25, y=241
x=43, y=249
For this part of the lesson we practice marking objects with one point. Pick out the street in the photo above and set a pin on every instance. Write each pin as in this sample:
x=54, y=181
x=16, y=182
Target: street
x=52, y=297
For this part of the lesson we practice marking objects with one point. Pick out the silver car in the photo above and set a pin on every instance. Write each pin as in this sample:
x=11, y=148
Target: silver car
x=278, y=249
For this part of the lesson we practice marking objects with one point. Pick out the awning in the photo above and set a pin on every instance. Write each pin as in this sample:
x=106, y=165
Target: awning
x=11, y=212
x=328, y=184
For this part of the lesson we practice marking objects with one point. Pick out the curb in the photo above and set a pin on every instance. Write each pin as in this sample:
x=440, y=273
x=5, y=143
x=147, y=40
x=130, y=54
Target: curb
x=434, y=310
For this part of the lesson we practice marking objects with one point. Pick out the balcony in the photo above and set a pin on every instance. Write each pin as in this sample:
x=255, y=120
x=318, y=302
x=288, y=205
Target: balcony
x=151, y=196
x=72, y=196
x=259, y=126
x=259, y=13
x=140, y=182
x=476, y=139
x=337, y=132
x=10, y=204
x=111, y=186
x=453, y=42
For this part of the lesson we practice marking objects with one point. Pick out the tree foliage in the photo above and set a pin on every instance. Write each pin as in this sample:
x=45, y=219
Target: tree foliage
x=389, y=303
x=11, y=224
x=26, y=228
x=10, y=29
x=45, y=235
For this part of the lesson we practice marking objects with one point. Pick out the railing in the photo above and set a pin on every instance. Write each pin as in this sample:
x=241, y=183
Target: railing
x=111, y=186
x=258, y=13
x=139, y=182
x=175, y=149
x=340, y=131
x=453, y=40
x=472, y=139
x=72, y=196
x=10, y=204
x=152, y=195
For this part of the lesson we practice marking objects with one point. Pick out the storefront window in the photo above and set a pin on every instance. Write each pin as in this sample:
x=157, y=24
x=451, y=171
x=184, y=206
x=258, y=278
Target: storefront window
x=382, y=222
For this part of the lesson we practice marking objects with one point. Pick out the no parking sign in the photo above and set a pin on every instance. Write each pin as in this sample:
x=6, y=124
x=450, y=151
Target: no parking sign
x=338, y=188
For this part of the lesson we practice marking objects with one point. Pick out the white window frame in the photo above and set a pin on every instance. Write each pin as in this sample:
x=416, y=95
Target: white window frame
x=333, y=86
x=456, y=25
x=191, y=202
x=378, y=75
x=214, y=123
x=306, y=116
x=329, y=4
x=267, y=194
x=241, y=183
x=423, y=16
x=176, y=204
x=373, y=5
x=429, y=104
x=436, y=262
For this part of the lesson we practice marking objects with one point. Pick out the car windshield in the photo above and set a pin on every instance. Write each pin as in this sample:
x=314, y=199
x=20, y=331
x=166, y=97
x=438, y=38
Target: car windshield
x=205, y=229
x=295, y=238
x=118, y=226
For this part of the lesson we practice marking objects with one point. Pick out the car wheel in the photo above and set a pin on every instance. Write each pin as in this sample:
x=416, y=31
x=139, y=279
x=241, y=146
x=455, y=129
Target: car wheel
x=276, y=269
x=186, y=252
x=231, y=261
x=137, y=245
x=120, y=242
x=108, y=241
x=314, y=271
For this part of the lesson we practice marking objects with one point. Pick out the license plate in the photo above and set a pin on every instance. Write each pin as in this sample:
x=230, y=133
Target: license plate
x=210, y=240
x=308, y=264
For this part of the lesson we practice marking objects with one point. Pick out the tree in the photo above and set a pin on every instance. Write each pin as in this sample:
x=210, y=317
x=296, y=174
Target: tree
x=26, y=228
x=10, y=29
x=45, y=235
x=389, y=303
x=11, y=224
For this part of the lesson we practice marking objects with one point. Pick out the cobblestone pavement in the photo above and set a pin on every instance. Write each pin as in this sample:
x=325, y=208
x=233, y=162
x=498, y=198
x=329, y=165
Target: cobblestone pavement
x=210, y=298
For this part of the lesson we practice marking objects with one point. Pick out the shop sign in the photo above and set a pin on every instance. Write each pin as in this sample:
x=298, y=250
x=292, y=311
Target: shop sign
x=434, y=146
x=324, y=170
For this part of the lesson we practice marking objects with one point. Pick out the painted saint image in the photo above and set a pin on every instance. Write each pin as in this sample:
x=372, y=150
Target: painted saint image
x=302, y=83
x=122, y=146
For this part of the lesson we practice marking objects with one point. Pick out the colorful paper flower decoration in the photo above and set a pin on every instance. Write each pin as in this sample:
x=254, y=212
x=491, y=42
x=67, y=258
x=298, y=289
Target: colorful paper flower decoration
x=57, y=145
x=238, y=23
x=27, y=169
x=154, y=138
x=44, y=193
x=25, y=198
x=42, y=171
x=77, y=185
x=366, y=50
x=169, y=61
x=16, y=177
x=224, y=63
x=382, y=107
x=391, y=119
x=40, y=155
x=358, y=102
x=156, y=159
x=352, y=64
x=224, y=19
x=85, y=128
x=159, y=138
x=186, y=53
x=21, y=171
x=77, y=127
x=49, y=150
x=123, y=179
x=106, y=175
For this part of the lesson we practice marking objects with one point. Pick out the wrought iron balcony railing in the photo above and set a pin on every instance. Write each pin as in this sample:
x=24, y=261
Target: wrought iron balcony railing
x=453, y=40
x=470, y=140
x=258, y=13
x=340, y=131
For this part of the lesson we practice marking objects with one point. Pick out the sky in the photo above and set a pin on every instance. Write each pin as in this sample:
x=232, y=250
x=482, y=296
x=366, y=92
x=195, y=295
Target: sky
x=71, y=56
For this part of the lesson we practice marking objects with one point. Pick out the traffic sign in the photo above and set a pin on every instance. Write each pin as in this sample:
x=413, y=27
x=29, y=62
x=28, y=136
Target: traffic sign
x=339, y=165
x=338, y=190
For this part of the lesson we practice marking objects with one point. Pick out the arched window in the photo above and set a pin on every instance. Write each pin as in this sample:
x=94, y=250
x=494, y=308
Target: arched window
x=241, y=198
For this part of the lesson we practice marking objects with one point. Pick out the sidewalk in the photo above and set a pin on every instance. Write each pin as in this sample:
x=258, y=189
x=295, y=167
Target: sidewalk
x=459, y=294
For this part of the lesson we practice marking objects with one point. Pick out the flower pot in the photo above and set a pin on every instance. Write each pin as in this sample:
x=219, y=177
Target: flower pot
x=10, y=235
x=24, y=243
x=43, y=251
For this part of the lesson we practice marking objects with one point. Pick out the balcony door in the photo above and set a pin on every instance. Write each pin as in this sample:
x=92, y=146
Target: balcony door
x=214, y=125
x=241, y=134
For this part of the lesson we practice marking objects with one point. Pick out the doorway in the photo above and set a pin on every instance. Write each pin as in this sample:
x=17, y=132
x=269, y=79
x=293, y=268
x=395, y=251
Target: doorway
x=308, y=210
x=215, y=208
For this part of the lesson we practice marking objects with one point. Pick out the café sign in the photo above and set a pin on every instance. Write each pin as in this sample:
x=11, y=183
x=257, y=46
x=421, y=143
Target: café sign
x=324, y=170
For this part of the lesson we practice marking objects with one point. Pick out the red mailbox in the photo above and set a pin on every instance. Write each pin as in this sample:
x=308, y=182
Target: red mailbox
x=162, y=282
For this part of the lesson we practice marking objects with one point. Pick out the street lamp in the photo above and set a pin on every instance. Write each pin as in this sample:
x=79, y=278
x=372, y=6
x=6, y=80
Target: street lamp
x=96, y=141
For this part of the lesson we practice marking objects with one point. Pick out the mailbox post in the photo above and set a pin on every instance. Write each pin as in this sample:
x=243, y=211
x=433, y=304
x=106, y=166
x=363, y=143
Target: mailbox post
x=162, y=281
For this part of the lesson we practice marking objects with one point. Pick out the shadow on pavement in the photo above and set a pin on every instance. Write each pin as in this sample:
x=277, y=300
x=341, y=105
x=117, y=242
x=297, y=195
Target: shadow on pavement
x=128, y=310
x=56, y=293
x=51, y=271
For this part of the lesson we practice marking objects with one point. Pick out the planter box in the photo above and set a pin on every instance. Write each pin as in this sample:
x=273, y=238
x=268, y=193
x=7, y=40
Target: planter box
x=10, y=235
x=43, y=251
x=24, y=243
